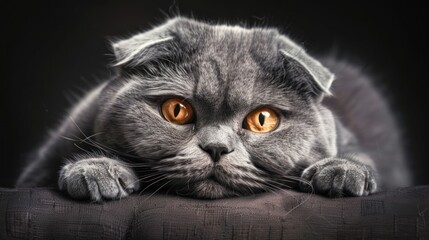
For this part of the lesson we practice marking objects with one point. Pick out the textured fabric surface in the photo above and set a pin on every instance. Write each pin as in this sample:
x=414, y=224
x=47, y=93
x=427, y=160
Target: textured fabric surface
x=46, y=214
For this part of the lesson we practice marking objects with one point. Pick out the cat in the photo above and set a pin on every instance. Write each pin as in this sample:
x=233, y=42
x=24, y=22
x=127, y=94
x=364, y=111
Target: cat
x=212, y=111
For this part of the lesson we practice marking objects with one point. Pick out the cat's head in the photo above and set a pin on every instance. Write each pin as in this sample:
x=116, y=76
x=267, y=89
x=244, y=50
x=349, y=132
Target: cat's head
x=216, y=110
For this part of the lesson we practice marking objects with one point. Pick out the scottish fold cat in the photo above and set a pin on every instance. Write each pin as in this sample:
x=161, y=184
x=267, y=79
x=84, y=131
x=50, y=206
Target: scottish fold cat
x=212, y=111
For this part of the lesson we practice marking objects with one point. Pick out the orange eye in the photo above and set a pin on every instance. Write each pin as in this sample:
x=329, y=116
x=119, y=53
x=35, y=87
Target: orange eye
x=177, y=111
x=261, y=120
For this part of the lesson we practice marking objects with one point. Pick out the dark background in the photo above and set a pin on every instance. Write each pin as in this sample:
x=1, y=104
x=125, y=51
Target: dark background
x=50, y=51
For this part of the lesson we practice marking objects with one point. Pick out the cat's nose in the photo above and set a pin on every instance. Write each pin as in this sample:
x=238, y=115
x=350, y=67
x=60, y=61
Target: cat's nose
x=215, y=150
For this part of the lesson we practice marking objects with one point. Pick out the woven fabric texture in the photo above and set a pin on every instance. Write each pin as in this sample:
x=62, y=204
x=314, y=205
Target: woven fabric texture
x=42, y=213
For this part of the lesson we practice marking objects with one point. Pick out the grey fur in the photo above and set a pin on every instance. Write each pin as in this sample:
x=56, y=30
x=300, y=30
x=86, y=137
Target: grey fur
x=224, y=72
x=97, y=178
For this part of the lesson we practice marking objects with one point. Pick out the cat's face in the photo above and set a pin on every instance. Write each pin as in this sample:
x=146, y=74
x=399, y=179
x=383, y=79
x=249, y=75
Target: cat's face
x=220, y=75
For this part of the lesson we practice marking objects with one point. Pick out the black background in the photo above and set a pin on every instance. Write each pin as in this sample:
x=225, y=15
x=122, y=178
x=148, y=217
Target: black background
x=50, y=51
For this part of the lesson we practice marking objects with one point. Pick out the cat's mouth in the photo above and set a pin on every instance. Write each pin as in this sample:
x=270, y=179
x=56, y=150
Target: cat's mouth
x=212, y=177
x=212, y=188
x=215, y=178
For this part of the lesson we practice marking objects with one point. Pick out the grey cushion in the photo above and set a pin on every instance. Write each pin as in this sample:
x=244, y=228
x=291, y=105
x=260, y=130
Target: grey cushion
x=42, y=213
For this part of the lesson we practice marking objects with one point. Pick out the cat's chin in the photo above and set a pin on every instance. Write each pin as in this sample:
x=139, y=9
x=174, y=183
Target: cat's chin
x=211, y=189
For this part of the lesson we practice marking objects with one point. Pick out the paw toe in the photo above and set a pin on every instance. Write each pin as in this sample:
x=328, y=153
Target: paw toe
x=97, y=180
x=339, y=178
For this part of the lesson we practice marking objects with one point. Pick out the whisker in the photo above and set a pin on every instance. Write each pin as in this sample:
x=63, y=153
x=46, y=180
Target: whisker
x=81, y=148
x=70, y=139
x=279, y=189
x=301, y=203
x=100, y=146
x=91, y=136
x=158, y=189
x=136, y=165
x=91, y=142
x=154, y=176
x=80, y=130
x=165, y=177
x=138, y=180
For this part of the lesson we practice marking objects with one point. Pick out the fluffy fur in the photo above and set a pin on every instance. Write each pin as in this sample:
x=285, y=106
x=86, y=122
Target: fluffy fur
x=117, y=139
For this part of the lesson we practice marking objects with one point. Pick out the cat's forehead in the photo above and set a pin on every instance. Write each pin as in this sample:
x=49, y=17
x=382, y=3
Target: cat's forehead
x=225, y=80
x=230, y=64
x=233, y=42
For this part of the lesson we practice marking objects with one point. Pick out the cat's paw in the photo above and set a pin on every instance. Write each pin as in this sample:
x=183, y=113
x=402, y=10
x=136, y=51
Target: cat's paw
x=97, y=179
x=336, y=177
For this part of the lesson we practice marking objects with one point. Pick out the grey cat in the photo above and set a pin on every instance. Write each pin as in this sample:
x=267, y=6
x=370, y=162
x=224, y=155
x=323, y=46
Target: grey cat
x=214, y=111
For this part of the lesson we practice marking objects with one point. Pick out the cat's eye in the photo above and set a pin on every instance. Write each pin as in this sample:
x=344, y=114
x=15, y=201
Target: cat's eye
x=178, y=111
x=261, y=120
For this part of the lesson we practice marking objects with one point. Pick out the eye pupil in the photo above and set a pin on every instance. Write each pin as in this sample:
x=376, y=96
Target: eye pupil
x=261, y=119
x=176, y=110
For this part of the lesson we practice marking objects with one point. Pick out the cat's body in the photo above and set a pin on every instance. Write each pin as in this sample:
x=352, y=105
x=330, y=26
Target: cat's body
x=117, y=134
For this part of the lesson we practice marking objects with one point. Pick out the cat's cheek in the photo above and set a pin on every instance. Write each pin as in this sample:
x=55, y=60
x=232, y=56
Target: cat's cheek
x=161, y=140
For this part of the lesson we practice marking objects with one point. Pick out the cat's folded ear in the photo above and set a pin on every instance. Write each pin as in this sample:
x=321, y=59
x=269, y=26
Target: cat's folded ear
x=321, y=78
x=147, y=46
